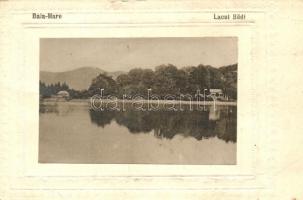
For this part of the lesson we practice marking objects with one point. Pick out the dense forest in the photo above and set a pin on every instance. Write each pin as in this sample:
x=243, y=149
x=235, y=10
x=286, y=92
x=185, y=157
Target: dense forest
x=163, y=80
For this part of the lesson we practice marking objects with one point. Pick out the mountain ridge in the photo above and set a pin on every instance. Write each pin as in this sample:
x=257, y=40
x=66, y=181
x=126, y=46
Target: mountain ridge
x=78, y=79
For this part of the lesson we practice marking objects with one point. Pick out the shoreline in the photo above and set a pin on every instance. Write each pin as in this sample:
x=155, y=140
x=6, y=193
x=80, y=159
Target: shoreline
x=144, y=101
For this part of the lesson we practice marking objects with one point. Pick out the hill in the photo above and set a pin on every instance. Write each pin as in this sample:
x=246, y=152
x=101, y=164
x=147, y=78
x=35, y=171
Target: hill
x=78, y=79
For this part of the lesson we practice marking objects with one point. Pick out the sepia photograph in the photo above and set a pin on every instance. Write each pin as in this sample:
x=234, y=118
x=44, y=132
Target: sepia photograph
x=138, y=100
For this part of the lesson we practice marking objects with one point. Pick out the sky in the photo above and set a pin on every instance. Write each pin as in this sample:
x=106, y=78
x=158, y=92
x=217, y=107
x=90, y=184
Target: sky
x=123, y=54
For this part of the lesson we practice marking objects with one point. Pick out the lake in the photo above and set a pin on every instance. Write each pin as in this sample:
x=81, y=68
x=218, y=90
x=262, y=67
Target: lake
x=72, y=132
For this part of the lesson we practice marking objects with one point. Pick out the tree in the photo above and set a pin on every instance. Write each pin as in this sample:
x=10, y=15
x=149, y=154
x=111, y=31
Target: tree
x=103, y=81
x=135, y=76
x=166, y=80
x=148, y=78
x=230, y=80
x=123, y=80
x=52, y=89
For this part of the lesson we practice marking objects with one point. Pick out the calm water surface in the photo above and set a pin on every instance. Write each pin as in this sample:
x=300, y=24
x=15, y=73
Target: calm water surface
x=73, y=133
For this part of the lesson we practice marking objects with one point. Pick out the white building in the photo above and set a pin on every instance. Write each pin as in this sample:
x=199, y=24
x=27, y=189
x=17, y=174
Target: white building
x=63, y=94
x=217, y=93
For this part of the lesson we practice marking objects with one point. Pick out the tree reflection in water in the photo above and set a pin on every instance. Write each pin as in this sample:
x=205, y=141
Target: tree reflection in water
x=221, y=123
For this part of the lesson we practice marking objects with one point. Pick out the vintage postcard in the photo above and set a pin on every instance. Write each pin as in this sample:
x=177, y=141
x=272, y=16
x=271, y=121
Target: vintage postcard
x=151, y=100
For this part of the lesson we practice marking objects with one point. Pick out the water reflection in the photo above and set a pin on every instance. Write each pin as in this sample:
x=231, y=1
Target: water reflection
x=69, y=132
x=219, y=122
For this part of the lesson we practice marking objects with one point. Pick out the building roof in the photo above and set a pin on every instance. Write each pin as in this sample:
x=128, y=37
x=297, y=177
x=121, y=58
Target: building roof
x=63, y=93
x=215, y=90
